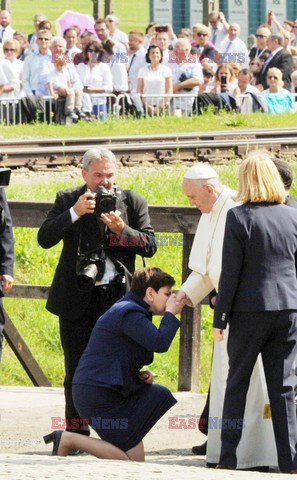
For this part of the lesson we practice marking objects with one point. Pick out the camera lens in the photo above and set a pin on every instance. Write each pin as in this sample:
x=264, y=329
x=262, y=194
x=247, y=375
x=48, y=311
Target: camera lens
x=87, y=276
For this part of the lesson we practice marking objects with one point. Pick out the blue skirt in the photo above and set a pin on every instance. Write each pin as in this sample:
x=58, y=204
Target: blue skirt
x=122, y=421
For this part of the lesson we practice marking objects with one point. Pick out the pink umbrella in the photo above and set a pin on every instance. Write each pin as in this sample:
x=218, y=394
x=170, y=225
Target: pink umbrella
x=68, y=18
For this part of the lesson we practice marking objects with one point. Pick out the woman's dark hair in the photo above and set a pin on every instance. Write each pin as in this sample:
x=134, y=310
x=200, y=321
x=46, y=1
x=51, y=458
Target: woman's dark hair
x=149, y=26
x=285, y=172
x=70, y=29
x=108, y=46
x=264, y=55
x=42, y=24
x=98, y=49
x=147, y=56
x=150, y=277
x=207, y=71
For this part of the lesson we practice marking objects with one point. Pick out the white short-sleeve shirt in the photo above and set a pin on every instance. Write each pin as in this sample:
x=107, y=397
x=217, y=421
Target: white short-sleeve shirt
x=154, y=82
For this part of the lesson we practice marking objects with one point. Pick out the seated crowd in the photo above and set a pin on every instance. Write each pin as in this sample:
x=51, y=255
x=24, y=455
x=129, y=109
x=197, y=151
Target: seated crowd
x=161, y=71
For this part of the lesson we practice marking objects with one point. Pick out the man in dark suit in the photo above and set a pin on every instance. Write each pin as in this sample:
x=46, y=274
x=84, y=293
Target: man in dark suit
x=98, y=254
x=279, y=58
x=6, y=256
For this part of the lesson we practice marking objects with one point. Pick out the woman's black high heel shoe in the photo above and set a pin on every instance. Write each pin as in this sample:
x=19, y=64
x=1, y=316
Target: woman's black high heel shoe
x=54, y=437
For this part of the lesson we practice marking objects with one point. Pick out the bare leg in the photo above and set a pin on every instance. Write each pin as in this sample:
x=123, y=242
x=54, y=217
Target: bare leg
x=136, y=453
x=98, y=448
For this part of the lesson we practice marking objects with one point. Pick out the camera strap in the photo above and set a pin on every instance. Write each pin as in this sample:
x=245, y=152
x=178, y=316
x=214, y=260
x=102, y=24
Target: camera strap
x=120, y=267
x=92, y=236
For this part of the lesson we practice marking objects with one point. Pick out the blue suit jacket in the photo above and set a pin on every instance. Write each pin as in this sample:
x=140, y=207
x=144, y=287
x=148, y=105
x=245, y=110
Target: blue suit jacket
x=122, y=342
x=259, y=261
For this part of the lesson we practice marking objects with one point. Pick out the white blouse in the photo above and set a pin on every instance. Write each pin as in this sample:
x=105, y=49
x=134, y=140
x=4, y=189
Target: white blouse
x=98, y=76
x=154, y=82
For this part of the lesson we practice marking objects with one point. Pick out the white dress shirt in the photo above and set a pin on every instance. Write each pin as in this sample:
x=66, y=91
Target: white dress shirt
x=120, y=36
x=217, y=35
x=191, y=70
x=6, y=33
x=119, y=76
x=135, y=62
x=235, y=47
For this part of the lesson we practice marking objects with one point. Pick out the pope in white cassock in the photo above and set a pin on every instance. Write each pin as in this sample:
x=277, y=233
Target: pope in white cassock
x=257, y=446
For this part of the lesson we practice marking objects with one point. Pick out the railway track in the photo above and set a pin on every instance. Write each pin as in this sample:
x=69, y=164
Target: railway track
x=217, y=146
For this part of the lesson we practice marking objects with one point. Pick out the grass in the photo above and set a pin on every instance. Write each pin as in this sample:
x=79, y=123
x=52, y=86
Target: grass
x=206, y=122
x=161, y=186
x=34, y=265
x=133, y=14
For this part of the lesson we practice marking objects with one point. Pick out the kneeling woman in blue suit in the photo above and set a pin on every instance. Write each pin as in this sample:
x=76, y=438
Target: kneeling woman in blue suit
x=117, y=400
x=258, y=298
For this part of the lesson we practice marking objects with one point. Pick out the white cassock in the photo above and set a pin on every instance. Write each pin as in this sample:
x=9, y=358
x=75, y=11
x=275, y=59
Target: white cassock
x=257, y=445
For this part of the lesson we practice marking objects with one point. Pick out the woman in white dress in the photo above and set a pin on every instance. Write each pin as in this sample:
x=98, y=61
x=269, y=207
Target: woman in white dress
x=154, y=79
x=96, y=78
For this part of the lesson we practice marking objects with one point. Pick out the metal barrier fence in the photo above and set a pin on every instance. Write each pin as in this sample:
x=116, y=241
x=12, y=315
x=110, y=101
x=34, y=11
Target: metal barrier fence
x=11, y=110
x=109, y=105
x=107, y=101
x=173, y=104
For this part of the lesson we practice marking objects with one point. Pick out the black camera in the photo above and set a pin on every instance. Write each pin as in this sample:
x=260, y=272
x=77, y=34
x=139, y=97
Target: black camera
x=4, y=176
x=105, y=200
x=223, y=83
x=90, y=268
x=161, y=28
x=4, y=182
x=183, y=78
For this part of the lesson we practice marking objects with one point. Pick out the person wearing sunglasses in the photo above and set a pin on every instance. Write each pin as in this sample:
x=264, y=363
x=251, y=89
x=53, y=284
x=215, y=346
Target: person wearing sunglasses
x=255, y=66
x=279, y=100
x=11, y=49
x=218, y=28
x=96, y=77
x=262, y=35
x=116, y=35
x=38, y=65
x=203, y=47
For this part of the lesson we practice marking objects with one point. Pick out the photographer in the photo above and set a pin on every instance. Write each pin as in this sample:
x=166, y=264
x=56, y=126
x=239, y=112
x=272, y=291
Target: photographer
x=6, y=255
x=114, y=238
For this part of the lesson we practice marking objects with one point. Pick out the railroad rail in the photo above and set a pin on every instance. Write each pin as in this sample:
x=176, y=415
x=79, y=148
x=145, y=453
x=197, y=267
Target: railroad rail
x=218, y=146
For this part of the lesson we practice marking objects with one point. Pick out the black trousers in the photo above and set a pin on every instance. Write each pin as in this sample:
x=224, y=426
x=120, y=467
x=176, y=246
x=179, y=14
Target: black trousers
x=274, y=335
x=74, y=339
x=2, y=319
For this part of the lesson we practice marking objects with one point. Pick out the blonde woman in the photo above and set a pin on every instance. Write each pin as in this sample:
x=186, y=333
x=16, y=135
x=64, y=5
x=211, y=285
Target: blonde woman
x=11, y=49
x=257, y=298
x=278, y=99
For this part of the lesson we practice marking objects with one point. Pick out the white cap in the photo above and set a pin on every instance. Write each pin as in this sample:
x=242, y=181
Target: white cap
x=200, y=171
